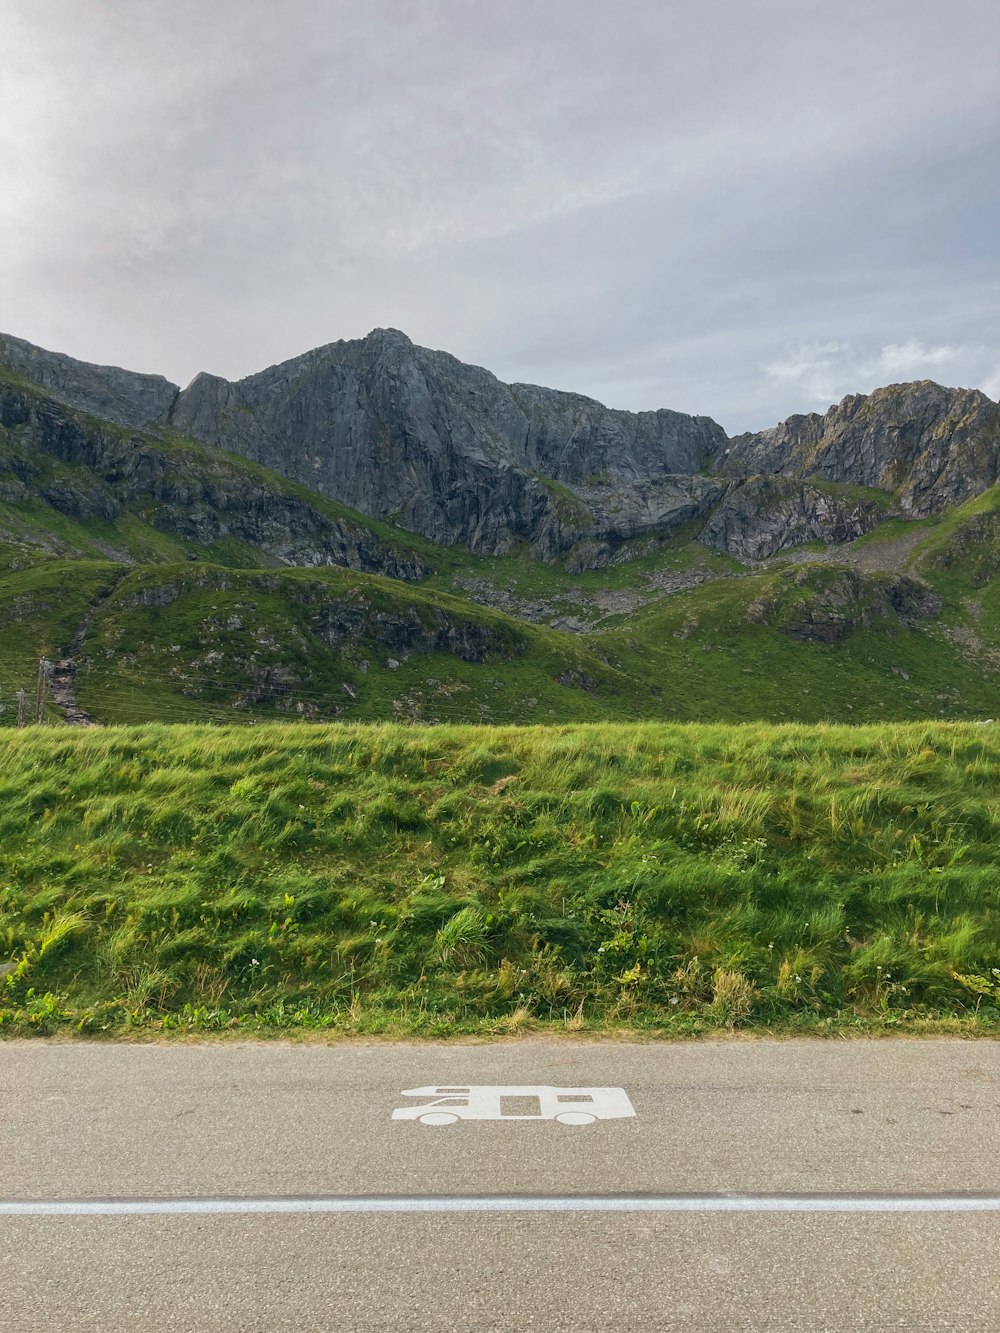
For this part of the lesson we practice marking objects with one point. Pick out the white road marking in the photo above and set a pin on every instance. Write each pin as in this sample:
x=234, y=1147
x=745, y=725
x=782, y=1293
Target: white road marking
x=512, y=1203
x=569, y=1106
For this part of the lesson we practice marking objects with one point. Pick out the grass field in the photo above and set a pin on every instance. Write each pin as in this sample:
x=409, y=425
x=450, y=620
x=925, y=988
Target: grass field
x=436, y=880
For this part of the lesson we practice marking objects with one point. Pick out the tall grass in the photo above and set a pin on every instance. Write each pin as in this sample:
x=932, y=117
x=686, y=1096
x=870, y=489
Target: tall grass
x=447, y=879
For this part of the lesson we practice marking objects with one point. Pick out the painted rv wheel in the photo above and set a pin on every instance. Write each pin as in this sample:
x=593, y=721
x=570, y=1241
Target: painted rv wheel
x=438, y=1118
x=576, y=1118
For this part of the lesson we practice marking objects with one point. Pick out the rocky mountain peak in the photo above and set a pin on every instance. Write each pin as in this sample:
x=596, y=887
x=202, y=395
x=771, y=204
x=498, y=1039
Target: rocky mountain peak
x=389, y=337
x=107, y=391
x=931, y=446
x=447, y=450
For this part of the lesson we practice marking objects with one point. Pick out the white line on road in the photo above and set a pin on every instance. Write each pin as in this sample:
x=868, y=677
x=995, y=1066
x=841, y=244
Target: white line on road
x=512, y=1203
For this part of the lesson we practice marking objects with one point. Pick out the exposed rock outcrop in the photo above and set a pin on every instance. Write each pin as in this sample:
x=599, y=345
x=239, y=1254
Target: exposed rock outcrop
x=825, y=605
x=590, y=524
x=199, y=497
x=404, y=630
x=764, y=515
x=933, y=447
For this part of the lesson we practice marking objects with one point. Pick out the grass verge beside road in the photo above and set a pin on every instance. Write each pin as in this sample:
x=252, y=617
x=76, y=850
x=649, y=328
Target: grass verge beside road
x=438, y=880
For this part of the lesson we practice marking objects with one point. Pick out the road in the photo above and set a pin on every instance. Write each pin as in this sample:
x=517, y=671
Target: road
x=812, y=1137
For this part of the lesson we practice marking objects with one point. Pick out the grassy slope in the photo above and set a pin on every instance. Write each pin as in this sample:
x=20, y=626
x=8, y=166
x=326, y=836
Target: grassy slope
x=528, y=579
x=693, y=655
x=442, y=880
x=960, y=557
x=197, y=642
x=698, y=648
x=41, y=608
x=196, y=657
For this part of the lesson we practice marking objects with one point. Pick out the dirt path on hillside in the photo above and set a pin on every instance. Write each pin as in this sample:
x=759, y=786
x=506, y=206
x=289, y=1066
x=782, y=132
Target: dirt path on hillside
x=60, y=676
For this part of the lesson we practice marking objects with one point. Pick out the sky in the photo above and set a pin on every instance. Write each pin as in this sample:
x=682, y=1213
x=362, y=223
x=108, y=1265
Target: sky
x=743, y=208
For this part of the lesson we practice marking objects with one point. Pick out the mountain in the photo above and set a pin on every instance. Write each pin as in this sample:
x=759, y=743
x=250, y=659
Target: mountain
x=444, y=448
x=377, y=530
x=72, y=483
x=447, y=451
x=933, y=447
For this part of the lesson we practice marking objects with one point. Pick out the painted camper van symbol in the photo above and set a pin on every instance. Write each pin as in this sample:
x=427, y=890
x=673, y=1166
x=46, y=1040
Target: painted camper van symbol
x=569, y=1106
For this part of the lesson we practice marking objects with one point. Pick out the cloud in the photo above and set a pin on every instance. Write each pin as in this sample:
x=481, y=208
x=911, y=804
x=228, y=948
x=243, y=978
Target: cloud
x=911, y=360
x=822, y=374
x=647, y=203
x=815, y=370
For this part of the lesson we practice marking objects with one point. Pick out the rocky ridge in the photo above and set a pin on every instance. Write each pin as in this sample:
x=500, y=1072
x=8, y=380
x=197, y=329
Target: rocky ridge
x=86, y=469
x=122, y=396
x=930, y=446
x=448, y=451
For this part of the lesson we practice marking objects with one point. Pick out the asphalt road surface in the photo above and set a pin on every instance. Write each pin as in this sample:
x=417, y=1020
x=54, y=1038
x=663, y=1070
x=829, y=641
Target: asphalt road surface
x=759, y=1185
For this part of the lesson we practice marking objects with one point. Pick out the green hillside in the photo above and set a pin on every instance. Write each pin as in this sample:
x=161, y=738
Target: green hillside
x=196, y=642
x=796, y=642
x=457, y=879
x=804, y=642
x=178, y=583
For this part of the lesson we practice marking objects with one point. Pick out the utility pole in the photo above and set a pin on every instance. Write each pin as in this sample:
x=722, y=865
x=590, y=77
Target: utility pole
x=22, y=708
x=40, y=690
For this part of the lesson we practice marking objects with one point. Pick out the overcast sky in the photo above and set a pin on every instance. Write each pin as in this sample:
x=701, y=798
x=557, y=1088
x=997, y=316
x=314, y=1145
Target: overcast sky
x=738, y=207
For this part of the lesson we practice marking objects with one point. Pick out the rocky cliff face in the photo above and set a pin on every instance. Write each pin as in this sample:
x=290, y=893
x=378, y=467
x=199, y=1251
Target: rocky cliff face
x=445, y=448
x=106, y=391
x=933, y=447
x=198, y=497
x=448, y=451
